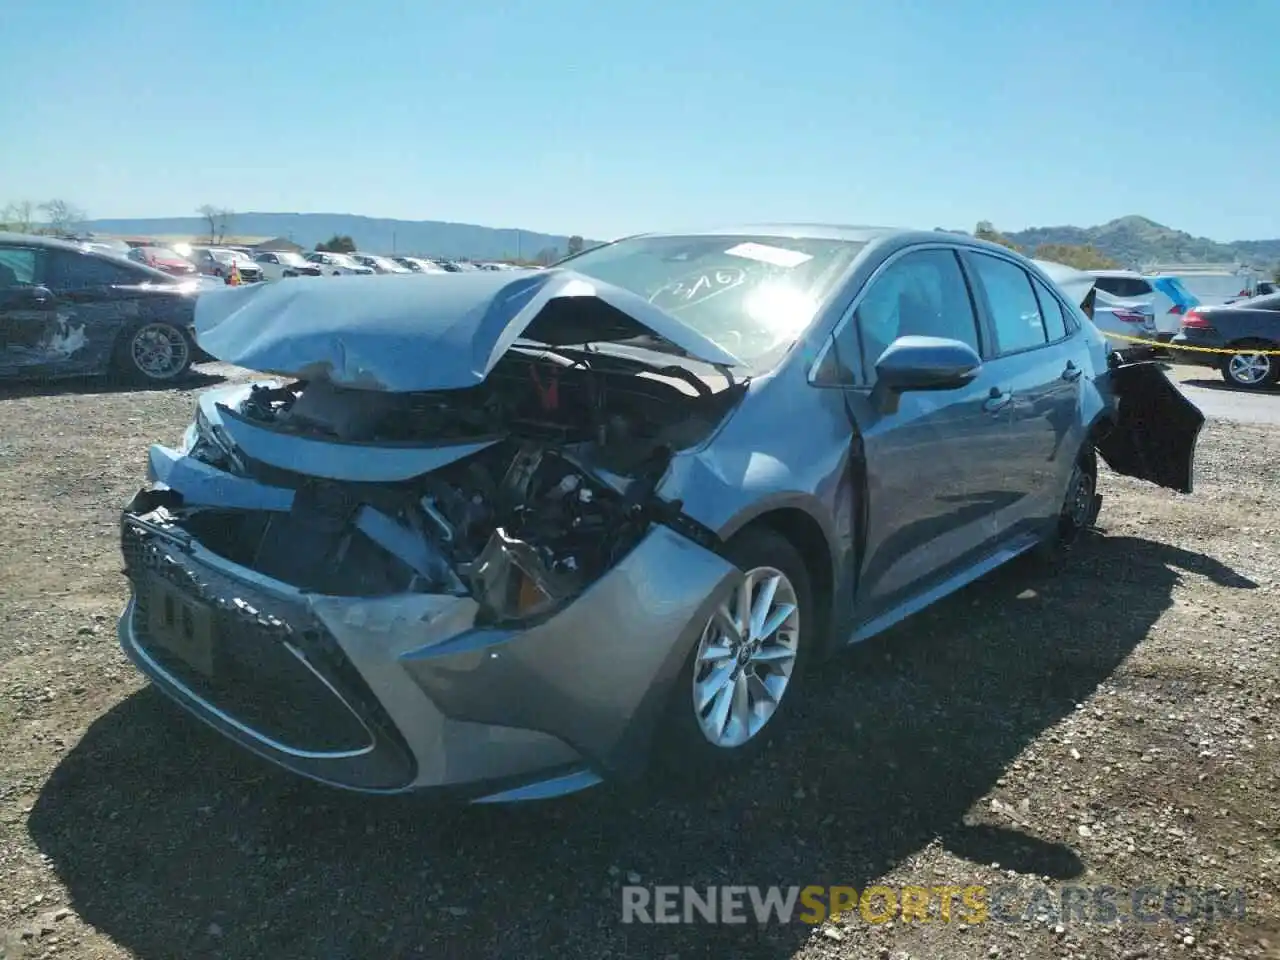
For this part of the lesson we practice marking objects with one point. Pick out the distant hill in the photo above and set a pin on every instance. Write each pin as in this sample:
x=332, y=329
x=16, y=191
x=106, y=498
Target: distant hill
x=1136, y=241
x=424, y=237
x=1132, y=241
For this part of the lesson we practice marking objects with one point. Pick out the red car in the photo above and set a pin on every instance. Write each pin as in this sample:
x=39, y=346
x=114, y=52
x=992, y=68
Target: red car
x=162, y=258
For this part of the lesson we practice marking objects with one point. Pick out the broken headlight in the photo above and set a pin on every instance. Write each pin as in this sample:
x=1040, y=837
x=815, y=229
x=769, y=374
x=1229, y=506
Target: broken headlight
x=207, y=442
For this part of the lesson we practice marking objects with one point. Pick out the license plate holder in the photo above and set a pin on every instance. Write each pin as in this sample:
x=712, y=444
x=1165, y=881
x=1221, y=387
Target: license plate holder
x=181, y=625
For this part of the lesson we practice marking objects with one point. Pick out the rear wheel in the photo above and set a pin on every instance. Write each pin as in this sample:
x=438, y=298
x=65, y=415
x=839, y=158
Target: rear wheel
x=1080, y=506
x=741, y=682
x=1250, y=370
x=154, y=353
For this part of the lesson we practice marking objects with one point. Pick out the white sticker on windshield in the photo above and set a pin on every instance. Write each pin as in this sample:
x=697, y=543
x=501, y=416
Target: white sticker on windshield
x=778, y=256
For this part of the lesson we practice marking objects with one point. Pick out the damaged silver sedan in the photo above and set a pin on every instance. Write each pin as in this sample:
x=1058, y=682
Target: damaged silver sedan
x=513, y=533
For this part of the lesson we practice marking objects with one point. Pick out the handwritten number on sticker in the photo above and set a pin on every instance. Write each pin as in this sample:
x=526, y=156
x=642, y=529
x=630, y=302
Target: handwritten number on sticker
x=698, y=287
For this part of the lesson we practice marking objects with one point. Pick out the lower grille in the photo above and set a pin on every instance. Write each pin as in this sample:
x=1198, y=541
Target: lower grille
x=262, y=661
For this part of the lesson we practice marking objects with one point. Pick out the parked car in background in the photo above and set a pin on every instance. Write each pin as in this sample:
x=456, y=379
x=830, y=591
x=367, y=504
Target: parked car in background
x=1121, y=319
x=116, y=248
x=164, y=259
x=390, y=575
x=219, y=261
x=278, y=264
x=67, y=311
x=1124, y=321
x=420, y=265
x=337, y=264
x=1248, y=327
x=1170, y=300
x=1213, y=287
x=379, y=264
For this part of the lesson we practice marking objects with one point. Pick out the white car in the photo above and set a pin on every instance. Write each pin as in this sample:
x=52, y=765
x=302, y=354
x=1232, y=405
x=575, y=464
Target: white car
x=337, y=264
x=278, y=264
x=1169, y=299
x=420, y=265
x=379, y=264
x=1122, y=319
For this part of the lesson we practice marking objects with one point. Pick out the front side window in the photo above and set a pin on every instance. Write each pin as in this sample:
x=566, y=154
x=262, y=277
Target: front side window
x=1011, y=304
x=921, y=294
x=751, y=295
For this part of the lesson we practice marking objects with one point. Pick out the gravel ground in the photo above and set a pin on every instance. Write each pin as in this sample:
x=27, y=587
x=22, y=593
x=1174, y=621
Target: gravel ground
x=1111, y=724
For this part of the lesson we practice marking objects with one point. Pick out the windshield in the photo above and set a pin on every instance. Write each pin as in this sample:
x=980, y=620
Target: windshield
x=750, y=295
x=342, y=260
x=162, y=253
x=291, y=259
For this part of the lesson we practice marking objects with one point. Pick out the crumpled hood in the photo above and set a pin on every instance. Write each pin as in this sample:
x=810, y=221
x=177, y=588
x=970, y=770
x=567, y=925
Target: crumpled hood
x=425, y=331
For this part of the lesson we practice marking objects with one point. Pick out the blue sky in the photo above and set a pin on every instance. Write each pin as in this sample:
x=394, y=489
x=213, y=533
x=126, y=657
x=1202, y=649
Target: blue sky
x=603, y=118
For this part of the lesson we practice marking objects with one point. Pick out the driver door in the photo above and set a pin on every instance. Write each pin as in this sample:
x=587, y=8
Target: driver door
x=936, y=497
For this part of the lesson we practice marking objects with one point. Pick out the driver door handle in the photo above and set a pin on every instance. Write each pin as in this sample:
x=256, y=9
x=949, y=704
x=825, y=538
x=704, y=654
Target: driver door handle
x=1071, y=373
x=997, y=400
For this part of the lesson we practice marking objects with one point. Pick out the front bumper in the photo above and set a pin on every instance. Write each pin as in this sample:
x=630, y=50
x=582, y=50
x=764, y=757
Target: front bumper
x=405, y=692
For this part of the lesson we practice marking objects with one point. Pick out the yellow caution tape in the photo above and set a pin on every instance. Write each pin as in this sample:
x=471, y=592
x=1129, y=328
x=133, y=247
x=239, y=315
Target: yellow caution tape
x=1165, y=345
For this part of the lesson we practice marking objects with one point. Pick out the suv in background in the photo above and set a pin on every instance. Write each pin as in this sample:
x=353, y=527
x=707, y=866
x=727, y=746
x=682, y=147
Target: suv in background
x=1169, y=299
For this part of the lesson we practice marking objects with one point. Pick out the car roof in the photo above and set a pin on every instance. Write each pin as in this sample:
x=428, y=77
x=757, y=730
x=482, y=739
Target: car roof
x=36, y=240
x=812, y=231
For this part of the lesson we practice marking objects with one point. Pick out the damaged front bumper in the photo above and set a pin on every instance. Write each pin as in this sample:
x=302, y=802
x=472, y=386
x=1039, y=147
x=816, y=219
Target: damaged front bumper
x=408, y=691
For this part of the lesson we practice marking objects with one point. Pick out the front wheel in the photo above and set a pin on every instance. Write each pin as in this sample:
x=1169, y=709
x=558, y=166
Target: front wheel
x=740, y=683
x=1249, y=370
x=154, y=353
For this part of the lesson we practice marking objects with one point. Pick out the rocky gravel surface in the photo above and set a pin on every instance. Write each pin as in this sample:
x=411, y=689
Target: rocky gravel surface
x=1043, y=735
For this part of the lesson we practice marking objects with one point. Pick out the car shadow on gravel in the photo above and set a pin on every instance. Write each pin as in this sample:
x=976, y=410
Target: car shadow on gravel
x=192, y=380
x=174, y=843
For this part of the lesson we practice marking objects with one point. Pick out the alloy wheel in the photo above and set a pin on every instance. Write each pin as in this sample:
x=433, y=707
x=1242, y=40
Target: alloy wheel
x=746, y=657
x=1077, y=509
x=159, y=351
x=1249, y=369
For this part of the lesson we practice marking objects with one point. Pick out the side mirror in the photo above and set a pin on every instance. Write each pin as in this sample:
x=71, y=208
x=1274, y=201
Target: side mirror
x=922, y=363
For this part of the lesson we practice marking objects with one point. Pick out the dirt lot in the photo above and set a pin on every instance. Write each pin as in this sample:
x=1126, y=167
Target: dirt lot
x=1115, y=724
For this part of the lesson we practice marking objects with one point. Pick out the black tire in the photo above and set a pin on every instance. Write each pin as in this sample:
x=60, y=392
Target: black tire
x=1247, y=370
x=1080, y=505
x=683, y=750
x=139, y=354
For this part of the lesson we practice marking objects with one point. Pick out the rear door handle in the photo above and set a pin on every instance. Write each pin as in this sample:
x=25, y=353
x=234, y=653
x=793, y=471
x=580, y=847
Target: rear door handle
x=1072, y=372
x=997, y=400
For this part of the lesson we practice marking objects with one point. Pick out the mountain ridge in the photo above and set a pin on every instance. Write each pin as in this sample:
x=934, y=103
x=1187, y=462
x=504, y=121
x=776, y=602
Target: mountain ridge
x=377, y=234
x=1135, y=241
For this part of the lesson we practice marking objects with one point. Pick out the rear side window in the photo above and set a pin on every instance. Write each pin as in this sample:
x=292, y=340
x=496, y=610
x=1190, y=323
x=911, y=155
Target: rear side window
x=1124, y=286
x=1055, y=320
x=1011, y=302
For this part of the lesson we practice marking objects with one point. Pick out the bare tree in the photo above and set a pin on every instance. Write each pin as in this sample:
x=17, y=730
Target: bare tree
x=61, y=216
x=19, y=216
x=226, y=217
x=218, y=220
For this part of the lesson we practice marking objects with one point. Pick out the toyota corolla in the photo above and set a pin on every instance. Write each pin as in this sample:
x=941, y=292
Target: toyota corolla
x=513, y=533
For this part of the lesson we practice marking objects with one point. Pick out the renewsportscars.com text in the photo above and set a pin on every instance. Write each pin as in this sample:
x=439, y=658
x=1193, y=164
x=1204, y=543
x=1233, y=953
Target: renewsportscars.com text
x=975, y=904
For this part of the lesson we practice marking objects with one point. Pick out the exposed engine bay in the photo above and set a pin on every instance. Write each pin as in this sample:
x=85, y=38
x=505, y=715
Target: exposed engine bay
x=561, y=493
